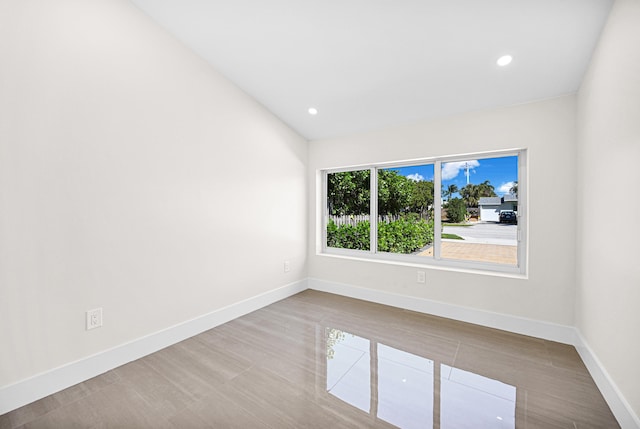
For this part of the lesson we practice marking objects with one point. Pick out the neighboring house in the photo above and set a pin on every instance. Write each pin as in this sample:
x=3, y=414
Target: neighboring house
x=490, y=207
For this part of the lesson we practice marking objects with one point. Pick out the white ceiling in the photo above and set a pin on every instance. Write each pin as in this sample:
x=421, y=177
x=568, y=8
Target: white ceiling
x=369, y=64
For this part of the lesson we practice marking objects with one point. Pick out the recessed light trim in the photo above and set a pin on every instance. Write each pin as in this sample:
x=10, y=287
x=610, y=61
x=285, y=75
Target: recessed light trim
x=312, y=111
x=504, y=60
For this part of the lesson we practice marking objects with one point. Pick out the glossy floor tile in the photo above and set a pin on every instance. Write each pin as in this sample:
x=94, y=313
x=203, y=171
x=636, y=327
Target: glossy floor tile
x=317, y=360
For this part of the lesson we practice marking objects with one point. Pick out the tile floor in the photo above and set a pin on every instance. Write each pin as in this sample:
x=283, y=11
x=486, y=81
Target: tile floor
x=320, y=360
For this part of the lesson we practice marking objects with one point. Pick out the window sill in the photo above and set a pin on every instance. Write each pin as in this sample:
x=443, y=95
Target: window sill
x=453, y=266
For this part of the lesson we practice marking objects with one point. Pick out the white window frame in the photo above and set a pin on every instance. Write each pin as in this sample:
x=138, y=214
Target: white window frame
x=436, y=261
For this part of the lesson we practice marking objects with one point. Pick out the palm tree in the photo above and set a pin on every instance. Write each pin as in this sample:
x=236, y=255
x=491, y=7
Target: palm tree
x=449, y=191
x=514, y=188
x=486, y=189
x=470, y=195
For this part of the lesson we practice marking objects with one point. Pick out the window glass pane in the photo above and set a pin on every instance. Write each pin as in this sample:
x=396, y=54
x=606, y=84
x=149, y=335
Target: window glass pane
x=479, y=216
x=480, y=205
x=405, y=210
x=348, y=204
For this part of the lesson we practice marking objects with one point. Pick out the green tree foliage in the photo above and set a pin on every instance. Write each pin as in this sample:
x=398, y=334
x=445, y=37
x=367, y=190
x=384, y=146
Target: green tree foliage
x=407, y=201
x=449, y=191
x=471, y=193
x=405, y=235
x=456, y=210
x=486, y=189
x=514, y=188
x=421, y=198
x=394, y=192
x=348, y=192
x=349, y=236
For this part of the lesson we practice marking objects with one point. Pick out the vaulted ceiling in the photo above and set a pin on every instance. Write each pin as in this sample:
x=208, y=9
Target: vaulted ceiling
x=370, y=64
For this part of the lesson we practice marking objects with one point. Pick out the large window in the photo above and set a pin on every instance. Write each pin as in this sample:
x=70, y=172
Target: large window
x=463, y=212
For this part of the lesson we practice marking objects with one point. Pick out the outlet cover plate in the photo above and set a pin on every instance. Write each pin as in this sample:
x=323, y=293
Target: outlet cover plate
x=94, y=318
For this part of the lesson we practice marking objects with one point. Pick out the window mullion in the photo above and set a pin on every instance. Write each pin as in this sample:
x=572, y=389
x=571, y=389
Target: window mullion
x=373, y=211
x=437, y=209
x=325, y=208
x=522, y=207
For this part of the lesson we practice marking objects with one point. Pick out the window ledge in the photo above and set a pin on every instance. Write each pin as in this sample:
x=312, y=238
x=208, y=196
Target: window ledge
x=439, y=266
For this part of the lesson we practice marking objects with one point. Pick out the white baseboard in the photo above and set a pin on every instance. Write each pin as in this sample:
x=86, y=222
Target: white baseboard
x=535, y=328
x=29, y=390
x=617, y=402
x=520, y=325
x=41, y=385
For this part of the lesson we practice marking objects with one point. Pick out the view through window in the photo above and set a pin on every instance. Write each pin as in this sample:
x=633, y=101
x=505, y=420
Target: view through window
x=349, y=199
x=405, y=209
x=470, y=211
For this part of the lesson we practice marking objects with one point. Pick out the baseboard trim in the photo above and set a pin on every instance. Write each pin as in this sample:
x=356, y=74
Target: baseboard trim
x=620, y=408
x=37, y=387
x=41, y=385
x=520, y=325
x=535, y=328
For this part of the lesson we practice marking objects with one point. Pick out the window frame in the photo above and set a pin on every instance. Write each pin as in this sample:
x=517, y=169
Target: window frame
x=520, y=269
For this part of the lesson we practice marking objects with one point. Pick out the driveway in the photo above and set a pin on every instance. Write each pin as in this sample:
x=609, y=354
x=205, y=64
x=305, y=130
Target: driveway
x=486, y=233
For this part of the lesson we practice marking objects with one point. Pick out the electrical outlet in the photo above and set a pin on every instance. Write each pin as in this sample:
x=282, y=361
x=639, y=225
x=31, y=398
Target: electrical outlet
x=421, y=277
x=287, y=266
x=94, y=318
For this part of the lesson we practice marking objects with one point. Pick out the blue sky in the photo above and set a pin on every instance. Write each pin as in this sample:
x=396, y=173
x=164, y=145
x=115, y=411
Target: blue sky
x=501, y=172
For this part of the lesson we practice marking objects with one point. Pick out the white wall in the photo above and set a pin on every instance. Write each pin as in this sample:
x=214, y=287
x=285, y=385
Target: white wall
x=133, y=177
x=547, y=129
x=608, y=299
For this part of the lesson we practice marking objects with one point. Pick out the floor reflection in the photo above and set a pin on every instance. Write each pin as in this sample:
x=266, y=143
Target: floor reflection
x=349, y=368
x=404, y=389
x=473, y=401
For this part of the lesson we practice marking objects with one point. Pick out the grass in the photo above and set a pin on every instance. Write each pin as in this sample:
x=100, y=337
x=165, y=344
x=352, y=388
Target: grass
x=456, y=224
x=452, y=237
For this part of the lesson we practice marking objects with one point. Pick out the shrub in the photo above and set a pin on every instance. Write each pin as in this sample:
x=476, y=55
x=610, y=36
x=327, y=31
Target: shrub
x=405, y=235
x=456, y=210
x=349, y=236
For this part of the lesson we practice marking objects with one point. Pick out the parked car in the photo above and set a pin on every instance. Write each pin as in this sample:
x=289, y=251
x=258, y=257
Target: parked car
x=508, y=216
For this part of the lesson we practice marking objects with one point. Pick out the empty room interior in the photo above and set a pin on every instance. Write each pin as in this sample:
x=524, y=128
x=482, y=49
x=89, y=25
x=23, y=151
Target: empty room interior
x=411, y=214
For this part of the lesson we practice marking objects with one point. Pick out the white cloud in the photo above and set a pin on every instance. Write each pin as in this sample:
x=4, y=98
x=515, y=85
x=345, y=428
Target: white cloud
x=451, y=169
x=416, y=177
x=505, y=188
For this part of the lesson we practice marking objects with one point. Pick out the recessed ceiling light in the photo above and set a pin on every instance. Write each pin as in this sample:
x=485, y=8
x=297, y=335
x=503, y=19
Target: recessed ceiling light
x=313, y=111
x=504, y=60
